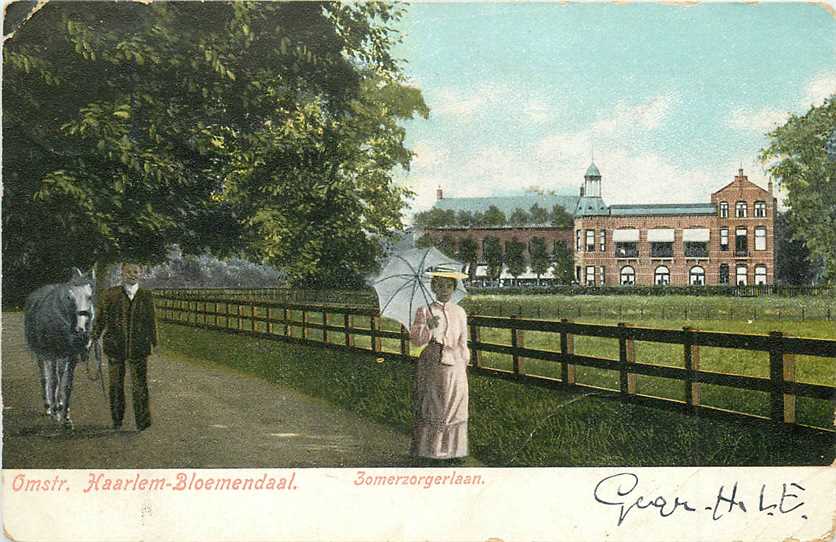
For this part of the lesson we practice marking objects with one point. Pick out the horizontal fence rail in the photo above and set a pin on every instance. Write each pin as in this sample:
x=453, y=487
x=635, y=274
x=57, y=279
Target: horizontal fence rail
x=343, y=326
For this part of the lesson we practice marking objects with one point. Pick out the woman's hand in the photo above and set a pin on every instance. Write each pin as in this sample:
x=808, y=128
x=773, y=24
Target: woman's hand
x=432, y=323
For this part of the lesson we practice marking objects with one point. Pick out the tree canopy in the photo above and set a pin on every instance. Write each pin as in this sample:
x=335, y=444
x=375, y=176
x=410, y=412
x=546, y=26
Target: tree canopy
x=797, y=155
x=263, y=129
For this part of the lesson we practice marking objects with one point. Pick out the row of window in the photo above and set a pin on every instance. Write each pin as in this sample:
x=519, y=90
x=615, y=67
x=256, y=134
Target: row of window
x=741, y=209
x=662, y=275
x=691, y=249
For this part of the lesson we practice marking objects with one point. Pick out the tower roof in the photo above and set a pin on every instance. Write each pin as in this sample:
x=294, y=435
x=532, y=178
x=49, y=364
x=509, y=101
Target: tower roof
x=592, y=171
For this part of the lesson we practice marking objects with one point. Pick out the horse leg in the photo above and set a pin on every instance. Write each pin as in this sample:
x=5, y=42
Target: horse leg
x=65, y=388
x=49, y=381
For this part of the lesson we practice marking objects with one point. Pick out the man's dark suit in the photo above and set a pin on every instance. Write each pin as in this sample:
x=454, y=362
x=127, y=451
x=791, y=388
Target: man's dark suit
x=130, y=329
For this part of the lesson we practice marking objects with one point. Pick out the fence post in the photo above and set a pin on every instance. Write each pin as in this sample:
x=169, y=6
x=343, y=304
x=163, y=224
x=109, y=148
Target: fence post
x=626, y=354
x=567, y=347
x=253, y=329
x=404, y=341
x=348, y=322
x=517, y=341
x=324, y=325
x=239, y=319
x=286, y=313
x=475, y=355
x=269, y=321
x=374, y=325
x=692, y=365
x=304, y=324
x=776, y=376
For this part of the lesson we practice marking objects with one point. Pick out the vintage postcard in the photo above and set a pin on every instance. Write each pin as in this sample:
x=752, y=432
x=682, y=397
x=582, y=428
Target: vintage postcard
x=349, y=271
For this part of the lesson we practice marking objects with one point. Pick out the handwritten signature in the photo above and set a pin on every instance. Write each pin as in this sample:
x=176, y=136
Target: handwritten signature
x=621, y=490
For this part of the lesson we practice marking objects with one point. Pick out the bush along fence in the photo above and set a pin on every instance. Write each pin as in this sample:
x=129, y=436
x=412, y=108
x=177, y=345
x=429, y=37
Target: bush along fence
x=361, y=329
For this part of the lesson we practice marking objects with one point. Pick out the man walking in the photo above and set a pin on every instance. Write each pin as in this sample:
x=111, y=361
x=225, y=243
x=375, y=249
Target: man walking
x=127, y=320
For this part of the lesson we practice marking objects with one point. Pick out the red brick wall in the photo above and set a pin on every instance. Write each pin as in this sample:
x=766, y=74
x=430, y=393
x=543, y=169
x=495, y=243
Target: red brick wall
x=741, y=189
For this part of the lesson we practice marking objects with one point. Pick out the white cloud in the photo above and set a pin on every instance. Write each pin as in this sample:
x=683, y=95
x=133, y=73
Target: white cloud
x=762, y=120
x=820, y=87
x=466, y=104
x=429, y=154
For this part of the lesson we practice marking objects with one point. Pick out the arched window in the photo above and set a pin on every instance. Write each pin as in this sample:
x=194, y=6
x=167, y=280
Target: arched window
x=662, y=276
x=628, y=275
x=760, y=209
x=740, y=275
x=760, y=238
x=740, y=209
x=724, y=273
x=760, y=274
x=724, y=209
x=697, y=276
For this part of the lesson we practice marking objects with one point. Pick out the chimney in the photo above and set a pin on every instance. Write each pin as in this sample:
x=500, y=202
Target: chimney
x=581, y=190
x=439, y=194
x=769, y=187
x=740, y=176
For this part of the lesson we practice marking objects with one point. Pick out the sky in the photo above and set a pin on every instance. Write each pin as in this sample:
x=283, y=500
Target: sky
x=671, y=100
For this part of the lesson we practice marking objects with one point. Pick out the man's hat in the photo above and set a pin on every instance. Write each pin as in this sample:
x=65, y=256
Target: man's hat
x=446, y=271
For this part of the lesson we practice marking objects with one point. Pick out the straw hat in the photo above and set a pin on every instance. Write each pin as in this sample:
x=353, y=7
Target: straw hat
x=447, y=272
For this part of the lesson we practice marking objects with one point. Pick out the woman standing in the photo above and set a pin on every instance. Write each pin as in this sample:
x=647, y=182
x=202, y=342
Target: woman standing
x=439, y=395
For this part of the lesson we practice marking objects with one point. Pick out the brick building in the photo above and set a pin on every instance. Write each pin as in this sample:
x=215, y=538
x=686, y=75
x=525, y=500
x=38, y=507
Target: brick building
x=727, y=240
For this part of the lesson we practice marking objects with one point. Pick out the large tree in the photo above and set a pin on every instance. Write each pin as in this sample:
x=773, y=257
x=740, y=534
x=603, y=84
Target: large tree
x=519, y=217
x=515, y=257
x=538, y=214
x=469, y=254
x=266, y=129
x=792, y=258
x=539, y=256
x=493, y=217
x=560, y=218
x=436, y=218
x=797, y=156
x=493, y=256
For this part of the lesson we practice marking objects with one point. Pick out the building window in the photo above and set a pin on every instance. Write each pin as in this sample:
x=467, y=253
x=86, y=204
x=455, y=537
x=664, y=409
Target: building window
x=628, y=275
x=603, y=273
x=697, y=276
x=760, y=209
x=741, y=242
x=626, y=249
x=724, y=209
x=724, y=273
x=740, y=276
x=662, y=276
x=603, y=240
x=590, y=240
x=696, y=249
x=724, y=238
x=578, y=274
x=760, y=238
x=760, y=274
x=661, y=250
x=578, y=240
x=590, y=275
x=740, y=209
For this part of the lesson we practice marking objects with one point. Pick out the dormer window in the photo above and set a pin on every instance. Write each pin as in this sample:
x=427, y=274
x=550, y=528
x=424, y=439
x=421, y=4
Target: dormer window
x=740, y=209
x=760, y=209
x=724, y=209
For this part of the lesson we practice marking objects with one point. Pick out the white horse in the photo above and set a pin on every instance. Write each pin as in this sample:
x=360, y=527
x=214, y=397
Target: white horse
x=58, y=324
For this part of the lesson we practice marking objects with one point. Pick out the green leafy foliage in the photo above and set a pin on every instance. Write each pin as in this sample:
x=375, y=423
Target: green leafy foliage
x=539, y=256
x=797, y=154
x=519, y=217
x=561, y=218
x=493, y=217
x=262, y=129
x=515, y=257
x=469, y=253
x=492, y=253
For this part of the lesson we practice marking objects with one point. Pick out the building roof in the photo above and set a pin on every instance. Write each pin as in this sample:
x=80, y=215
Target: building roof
x=592, y=171
x=663, y=209
x=507, y=204
x=591, y=206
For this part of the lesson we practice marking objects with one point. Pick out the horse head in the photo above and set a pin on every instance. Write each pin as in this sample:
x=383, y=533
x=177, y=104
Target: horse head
x=80, y=289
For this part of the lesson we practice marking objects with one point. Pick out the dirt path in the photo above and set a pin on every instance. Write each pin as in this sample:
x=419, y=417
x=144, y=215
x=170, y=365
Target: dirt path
x=204, y=416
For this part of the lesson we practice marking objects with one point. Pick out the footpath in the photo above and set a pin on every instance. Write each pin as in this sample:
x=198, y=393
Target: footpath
x=203, y=416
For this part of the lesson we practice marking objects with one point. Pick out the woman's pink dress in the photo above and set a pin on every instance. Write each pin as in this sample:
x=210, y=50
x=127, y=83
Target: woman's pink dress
x=439, y=394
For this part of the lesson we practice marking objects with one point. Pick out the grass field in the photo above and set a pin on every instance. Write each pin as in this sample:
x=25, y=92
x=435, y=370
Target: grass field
x=513, y=424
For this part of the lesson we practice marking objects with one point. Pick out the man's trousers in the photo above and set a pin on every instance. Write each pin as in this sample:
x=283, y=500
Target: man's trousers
x=139, y=385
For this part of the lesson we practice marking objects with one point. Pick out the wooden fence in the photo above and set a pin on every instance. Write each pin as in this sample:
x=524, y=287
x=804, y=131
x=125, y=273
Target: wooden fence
x=338, y=327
